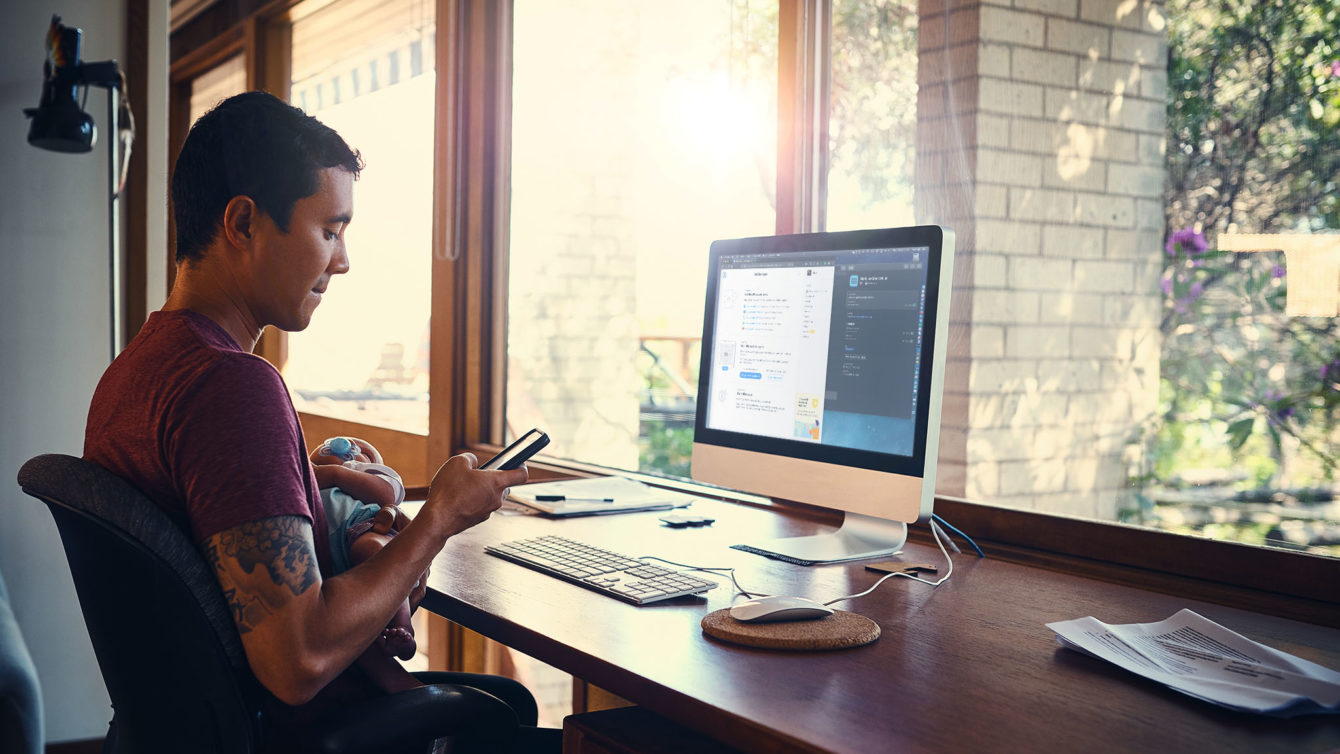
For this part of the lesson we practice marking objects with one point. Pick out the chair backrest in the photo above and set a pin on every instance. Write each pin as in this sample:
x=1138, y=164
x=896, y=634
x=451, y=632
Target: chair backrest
x=161, y=629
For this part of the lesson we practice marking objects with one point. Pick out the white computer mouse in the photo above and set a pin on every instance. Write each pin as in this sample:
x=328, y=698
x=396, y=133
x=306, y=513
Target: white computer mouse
x=767, y=609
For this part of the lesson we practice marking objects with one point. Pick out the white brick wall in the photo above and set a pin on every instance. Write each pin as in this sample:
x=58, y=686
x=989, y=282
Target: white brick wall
x=1047, y=205
x=1041, y=67
x=1012, y=27
x=1073, y=241
x=1063, y=229
x=1091, y=41
x=1004, y=307
x=1143, y=48
x=1011, y=98
x=1130, y=14
x=1049, y=7
x=1072, y=308
x=1008, y=237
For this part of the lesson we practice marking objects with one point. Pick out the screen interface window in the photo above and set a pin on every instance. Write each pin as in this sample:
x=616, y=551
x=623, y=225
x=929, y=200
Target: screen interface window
x=820, y=347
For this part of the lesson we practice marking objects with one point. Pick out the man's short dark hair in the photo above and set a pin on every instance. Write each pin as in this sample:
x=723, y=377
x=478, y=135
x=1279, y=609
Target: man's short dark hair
x=253, y=145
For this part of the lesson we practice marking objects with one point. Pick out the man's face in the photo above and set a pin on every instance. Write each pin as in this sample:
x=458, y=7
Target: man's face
x=294, y=268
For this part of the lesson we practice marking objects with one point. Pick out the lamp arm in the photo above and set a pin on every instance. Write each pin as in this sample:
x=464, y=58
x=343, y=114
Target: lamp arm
x=104, y=73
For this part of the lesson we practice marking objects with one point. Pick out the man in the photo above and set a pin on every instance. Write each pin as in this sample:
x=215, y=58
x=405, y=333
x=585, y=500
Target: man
x=262, y=195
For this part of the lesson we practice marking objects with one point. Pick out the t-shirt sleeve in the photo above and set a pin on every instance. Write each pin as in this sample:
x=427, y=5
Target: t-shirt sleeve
x=237, y=453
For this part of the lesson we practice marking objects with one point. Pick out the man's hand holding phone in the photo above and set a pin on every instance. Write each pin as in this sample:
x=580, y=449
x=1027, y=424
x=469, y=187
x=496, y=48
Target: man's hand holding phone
x=464, y=494
x=518, y=452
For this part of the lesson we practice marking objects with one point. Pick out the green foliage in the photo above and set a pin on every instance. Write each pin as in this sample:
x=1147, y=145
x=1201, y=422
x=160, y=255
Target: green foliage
x=665, y=449
x=873, y=118
x=1253, y=147
x=1240, y=378
x=1253, y=105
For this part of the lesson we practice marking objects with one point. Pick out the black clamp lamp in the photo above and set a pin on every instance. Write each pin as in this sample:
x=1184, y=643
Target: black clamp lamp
x=60, y=124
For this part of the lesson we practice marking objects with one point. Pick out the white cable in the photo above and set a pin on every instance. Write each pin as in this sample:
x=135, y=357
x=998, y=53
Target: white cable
x=729, y=572
x=935, y=531
x=940, y=532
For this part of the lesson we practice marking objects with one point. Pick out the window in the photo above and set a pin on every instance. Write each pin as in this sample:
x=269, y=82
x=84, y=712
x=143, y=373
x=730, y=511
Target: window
x=358, y=66
x=588, y=152
x=547, y=203
x=217, y=84
x=872, y=123
x=1094, y=372
x=640, y=132
x=1245, y=447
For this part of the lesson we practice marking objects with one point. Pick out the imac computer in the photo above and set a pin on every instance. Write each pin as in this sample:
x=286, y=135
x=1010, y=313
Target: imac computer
x=822, y=370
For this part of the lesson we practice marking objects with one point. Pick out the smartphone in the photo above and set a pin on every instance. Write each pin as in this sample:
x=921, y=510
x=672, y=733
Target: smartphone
x=516, y=454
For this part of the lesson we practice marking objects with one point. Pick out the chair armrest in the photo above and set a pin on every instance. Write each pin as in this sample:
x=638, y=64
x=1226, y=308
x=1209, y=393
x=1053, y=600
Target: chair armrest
x=411, y=720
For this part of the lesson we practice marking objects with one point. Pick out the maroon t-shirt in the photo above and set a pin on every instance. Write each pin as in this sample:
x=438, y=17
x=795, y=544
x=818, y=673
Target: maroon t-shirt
x=208, y=432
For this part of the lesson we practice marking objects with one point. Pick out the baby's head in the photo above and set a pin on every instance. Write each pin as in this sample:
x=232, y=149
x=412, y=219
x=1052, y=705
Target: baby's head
x=338, y=450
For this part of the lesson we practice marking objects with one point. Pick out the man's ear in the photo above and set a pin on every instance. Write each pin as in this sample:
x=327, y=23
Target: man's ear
x=239, y=221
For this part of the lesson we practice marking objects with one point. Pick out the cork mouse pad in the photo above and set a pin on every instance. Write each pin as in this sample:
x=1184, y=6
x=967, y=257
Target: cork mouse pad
x=841, y=630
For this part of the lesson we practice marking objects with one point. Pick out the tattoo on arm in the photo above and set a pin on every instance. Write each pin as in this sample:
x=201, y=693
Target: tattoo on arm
x=262, y=565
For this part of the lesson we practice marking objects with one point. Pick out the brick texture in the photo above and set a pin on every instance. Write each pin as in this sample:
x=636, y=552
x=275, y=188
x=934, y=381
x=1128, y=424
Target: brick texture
x=1061, y=215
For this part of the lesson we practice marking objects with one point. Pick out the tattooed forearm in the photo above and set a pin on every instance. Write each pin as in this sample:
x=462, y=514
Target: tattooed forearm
x=247, y=611
x=263, y=564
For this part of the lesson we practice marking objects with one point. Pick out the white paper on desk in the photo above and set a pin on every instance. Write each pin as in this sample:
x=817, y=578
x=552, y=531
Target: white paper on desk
x=627, y=494
x=1199, y=657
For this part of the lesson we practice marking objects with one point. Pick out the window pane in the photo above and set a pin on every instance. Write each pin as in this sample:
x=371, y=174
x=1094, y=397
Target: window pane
x=1121, y=351
x=359, y=66
x=641, y=131
x=872, y=114
x=1105, y=360
x=1245, y=447
x=218, y=83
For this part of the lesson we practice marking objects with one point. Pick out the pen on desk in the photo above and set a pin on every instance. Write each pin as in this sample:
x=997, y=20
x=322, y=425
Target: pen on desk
x=566, y=499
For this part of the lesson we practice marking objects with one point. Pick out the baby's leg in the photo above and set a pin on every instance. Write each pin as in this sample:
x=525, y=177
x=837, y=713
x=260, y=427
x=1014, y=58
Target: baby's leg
x=398, y=637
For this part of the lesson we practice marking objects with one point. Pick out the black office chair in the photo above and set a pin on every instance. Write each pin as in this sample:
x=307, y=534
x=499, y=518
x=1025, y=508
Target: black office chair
x=169, y=650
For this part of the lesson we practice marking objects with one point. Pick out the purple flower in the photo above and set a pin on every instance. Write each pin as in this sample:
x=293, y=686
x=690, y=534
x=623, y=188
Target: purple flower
x=1278, y=271
x=1281, y=413
x=1328, y=369
x=1335, y=68
x=1167, y=286
x=1197, y=288
x=1278, y=409
x=1185, y=240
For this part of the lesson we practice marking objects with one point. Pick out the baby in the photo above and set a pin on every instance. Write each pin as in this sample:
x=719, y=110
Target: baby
x=360, y=496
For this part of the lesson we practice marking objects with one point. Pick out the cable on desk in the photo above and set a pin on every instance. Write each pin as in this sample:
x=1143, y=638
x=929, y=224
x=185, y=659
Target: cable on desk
x=935, y=519
x=729, y=572
x=935, y=531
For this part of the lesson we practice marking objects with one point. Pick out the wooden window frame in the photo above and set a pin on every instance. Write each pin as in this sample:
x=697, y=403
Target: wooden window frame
x=469, y=280
x=1293, y=584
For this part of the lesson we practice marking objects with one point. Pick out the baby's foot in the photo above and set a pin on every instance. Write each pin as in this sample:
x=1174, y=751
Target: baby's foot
x=398, y=641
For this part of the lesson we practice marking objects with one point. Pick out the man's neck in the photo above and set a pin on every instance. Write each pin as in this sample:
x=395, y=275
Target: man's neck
x=209, y=291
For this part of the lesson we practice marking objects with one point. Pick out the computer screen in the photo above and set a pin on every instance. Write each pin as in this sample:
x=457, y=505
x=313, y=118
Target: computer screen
x=822, y=363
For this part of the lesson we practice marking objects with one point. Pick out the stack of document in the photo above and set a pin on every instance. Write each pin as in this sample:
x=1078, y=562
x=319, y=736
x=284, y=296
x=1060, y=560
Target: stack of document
x=1201, y=658
x=596, y=496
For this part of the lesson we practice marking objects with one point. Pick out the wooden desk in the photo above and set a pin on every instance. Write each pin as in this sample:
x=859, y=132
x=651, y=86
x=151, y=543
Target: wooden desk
x=967, y=666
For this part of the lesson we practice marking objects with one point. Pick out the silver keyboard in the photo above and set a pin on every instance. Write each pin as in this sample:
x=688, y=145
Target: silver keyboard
x=619, y=576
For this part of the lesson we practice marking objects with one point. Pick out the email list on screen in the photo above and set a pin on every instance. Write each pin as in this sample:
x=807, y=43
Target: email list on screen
x=820, y=347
